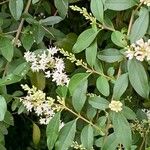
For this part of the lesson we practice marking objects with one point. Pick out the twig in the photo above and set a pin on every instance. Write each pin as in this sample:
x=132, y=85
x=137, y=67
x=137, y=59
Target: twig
x=4, y=2
x=132, y=17
x=22, y=22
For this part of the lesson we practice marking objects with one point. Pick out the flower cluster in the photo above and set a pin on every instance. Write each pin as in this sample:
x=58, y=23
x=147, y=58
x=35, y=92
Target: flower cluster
x=146, y=2
x=115, y=106
x=88, y=16
x=51, y=65
x=140, y=50
x=36, y=100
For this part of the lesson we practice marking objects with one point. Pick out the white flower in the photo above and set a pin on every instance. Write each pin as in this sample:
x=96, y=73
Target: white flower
x=146, y=2
x=147, y=113
x=28, y=105
x=59, y=65
x=140, y=50
x=52, y=50
x=30, y=56
x=48, y=74
x=115, y=106
x=60, y=78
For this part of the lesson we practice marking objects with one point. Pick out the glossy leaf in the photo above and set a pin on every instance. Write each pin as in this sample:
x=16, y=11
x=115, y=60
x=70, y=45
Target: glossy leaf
x=103, y=85
x=87, y=137
x=120, y=86
x=138, y=78
x=84, y=40
x=128, y=113
x=66, y=136
x=16, y=8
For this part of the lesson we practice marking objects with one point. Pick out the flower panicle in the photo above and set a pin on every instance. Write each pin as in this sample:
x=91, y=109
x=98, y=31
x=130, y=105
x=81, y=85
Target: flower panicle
x=48, y=63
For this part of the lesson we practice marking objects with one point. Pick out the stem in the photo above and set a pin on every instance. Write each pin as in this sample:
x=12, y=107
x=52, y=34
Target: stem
x=132, y=17
x=144, y=138
x=84, y=119
x=22, y=22
x=4, y=2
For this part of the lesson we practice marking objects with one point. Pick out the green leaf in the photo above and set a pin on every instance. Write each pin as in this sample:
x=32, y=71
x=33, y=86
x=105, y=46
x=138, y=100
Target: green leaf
x=119, y=39
x=119, y=5
x=110, y=55
x=27, y=40
x=87, y=137
x=91, y=53
x=36, y=135
x=97, y=9
x=84, y=40
x=111, y=142
x=75, y=81
x=16, y=8
x=50, y=20
x=8, y=119
x=6, y=48
x=62, y=7
x=122, y=129
x=138, y=78
x=98, y=102
x=79, y=95
x=140, y=25
x=103, y=85
x=62, y=91
x=120, y=86
x=2, y=147
x=3, y=108
x=128, y=113
x=66, y=136
x=38, y=33
x=52, y=130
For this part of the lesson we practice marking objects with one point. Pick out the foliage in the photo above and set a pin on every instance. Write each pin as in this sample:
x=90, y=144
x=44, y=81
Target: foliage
x=74, y=74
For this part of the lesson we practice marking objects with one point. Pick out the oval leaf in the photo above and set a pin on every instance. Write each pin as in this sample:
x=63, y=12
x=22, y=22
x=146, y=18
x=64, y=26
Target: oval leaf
x=138, y=78
x=103, y=85
x=51, y=20
x=36, y=134
x=87, y=137
x=3, y=108
x=52, y=131
x=79, y=95
x=91, y=53
x=119, y=39
x=140, y=25
x=120, y=87
x=16, y=8
x=6, y=48
x=97, y=9
x=98, y=102
x=62, y=7
x=110, y=55
x=119, y=5
x=66, y=136
x=75, y=81
x=84, y=40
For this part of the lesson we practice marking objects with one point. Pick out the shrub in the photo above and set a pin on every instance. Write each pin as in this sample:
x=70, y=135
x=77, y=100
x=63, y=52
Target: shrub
x=74, y=74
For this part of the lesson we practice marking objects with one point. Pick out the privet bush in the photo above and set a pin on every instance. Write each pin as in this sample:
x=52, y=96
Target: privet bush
x=74, y=74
